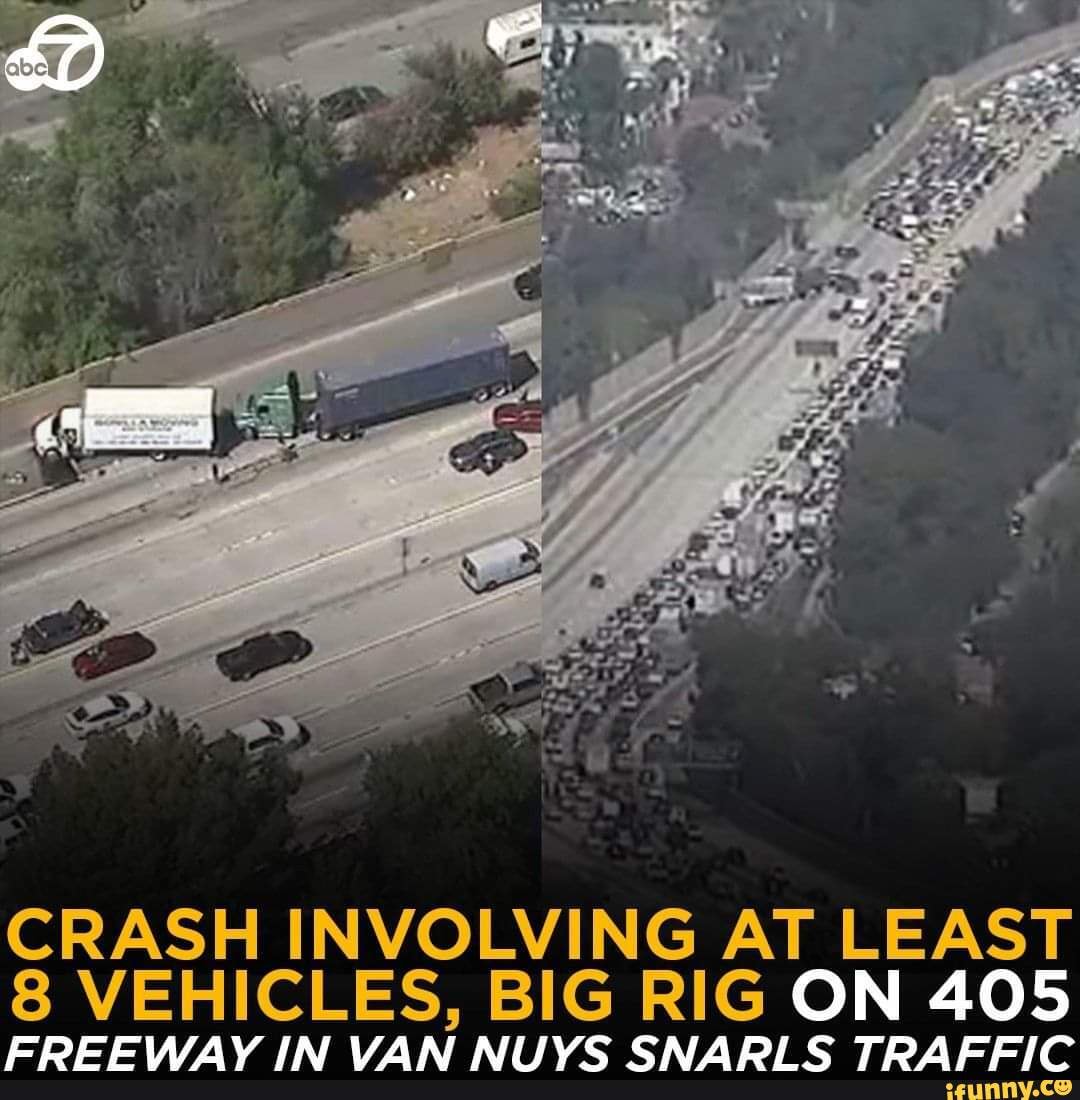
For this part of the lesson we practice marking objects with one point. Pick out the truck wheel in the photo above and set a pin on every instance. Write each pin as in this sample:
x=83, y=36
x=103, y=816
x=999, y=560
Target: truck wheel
x=501, y=390
x=480, y=396
x=490, y=586
x=158, y=456
x=321, y=434
x=347, y=434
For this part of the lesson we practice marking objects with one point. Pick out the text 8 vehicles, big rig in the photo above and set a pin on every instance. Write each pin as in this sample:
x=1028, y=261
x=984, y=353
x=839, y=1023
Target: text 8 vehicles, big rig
x=349, y=399
x=155, y=420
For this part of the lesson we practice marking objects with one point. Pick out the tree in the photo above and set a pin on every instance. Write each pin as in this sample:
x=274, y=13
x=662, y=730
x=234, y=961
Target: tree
x=174, y=195
x=447, y=820
x=595, y=81
x=990, y=404
x=471, y=86
x=1042, y=796
x=163, y=820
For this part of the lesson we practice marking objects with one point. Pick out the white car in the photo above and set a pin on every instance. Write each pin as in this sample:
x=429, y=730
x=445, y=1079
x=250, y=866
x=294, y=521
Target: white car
x=727, y=534
x=264, y=734
x=11, y=832
x=14, y=795
x=106, y=712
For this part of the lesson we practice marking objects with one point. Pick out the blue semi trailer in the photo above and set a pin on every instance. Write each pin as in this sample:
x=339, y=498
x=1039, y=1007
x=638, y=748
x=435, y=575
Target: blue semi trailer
x=355, y=396
x=351, y=398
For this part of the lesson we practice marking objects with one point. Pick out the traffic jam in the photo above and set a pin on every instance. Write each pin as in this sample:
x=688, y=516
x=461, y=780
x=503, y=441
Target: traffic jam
x=602, y=746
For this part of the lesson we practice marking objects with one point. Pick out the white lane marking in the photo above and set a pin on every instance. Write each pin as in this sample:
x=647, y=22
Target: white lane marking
x=417, y=628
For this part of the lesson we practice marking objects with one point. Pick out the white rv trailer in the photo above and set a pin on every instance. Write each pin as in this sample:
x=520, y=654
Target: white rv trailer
x=515, y=36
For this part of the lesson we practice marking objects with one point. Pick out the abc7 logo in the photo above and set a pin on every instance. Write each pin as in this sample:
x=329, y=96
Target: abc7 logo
x=27, y=69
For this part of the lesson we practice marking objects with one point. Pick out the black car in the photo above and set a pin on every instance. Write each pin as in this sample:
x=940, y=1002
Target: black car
x=487, y=451
x=262, y=653
x=527, y=284
x=350, y=102
x=60, y=628
x=846, y=252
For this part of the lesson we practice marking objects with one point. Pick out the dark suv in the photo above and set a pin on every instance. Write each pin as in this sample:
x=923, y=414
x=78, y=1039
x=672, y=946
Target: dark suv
x=488, y=451
x=262, y=653
x=60, y=628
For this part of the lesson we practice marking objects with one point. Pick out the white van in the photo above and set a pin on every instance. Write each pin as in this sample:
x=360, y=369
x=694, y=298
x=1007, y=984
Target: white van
x=484, y=569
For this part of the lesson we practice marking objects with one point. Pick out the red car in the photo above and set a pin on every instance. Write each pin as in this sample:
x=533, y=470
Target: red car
x=112, y=654
x=520, y=416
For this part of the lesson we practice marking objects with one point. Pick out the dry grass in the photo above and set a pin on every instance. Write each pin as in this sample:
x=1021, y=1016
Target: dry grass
x=442, y=203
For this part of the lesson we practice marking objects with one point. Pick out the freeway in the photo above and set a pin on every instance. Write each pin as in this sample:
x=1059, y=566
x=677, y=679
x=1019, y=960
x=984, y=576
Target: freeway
x=637, y=511
x=353, y=318
x=355, y=546
x=328, y=45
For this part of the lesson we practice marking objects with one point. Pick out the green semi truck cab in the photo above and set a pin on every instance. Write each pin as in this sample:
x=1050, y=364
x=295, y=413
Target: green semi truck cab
x=275, y=412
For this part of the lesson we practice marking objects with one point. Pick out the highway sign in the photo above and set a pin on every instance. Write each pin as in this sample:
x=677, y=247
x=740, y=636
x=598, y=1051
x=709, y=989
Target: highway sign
x=817, y=349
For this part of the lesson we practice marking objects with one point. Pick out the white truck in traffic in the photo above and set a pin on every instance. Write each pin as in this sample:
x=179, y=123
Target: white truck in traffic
x=768, y=290
x=156, y=420
x=733, y=499
x=861, y=312
x=782, y=523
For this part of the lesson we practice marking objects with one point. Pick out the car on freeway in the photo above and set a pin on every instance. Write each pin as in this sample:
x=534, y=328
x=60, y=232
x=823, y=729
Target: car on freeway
x=15, y=794
x=107, y=712
x=112, y=654
x=12, y=830
x=527, y=284
x=518, y=416
x=350, y=101
x=61, y=628
x=487, y=451
x=262, y=653
x=846, y=252
x=263, y=735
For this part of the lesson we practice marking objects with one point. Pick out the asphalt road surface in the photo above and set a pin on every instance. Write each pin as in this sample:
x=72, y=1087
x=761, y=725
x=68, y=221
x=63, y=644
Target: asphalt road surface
x=323, y=44
x=356, y=546
x=640, y=512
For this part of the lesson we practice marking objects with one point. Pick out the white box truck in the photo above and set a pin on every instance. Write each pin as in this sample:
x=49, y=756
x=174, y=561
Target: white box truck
x=783, y=518
x=515, y=37
x=725, y=565
x=892, y=365
x=156, y=420
x=862, y=312
x=733, y=499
